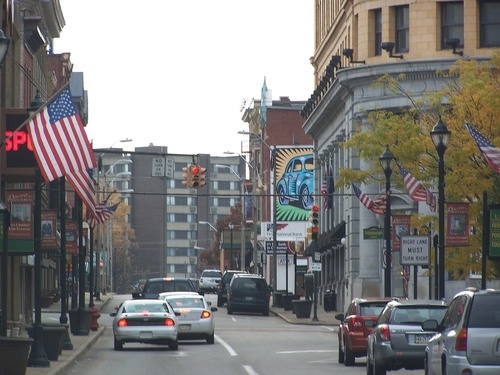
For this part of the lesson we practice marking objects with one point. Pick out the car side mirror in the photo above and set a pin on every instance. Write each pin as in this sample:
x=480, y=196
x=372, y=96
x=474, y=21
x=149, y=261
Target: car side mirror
x=339, y=317
x=213, y=308
x=430, y=325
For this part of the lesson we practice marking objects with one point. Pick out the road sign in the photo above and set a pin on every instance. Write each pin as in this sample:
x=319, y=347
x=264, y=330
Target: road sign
x=315, y=266
x=158, y=168
x=415, y=250
x=169, y=167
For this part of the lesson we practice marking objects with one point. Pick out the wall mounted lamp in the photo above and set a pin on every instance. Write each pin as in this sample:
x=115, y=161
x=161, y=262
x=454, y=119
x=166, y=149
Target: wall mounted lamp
x=389, y=47
x=349, y=53
x=454, y=43
x=335, y=62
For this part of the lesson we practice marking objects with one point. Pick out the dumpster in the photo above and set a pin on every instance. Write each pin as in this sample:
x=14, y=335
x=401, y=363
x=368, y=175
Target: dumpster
x=329, y=301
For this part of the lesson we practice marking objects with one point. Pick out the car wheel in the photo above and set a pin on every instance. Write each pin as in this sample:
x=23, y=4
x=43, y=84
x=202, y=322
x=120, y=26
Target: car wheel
x=306, y=198
x=229, y=310
x=220, y=302
x=174, y=345
x=266, y=312
x=377, y=369
x=211, y=338
x=118, y=345
x=341, y=354
x=369, y=367
x=349, y=358
x=281, y=195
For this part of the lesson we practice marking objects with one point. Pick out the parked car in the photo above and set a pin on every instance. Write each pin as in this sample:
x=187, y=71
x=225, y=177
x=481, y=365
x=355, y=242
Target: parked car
x=355, y=326
x=468, y=336
x=153, y=287
x=195, y=315
x=297, y=182
x=209, y=280
x=149, y=321
x=248, y=293
x=398, y=340
x=224, y=284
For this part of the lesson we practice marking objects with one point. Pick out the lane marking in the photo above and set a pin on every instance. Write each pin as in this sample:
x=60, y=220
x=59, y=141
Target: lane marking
x=228, y=347
x=250, y=370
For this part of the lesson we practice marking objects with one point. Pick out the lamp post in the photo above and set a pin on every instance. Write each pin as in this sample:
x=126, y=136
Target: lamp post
x=231, y=227
x=272, y=150
x=387, y=163
x=243, y=221
x=440, y=136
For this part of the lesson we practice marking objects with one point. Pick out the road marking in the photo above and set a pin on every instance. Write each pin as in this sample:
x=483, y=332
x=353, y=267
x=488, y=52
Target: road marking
x=305, y=351
x=228, y=347
x=250, y=370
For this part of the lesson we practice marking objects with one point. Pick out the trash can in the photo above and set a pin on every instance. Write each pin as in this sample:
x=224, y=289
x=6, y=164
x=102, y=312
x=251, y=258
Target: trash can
x=329, y=301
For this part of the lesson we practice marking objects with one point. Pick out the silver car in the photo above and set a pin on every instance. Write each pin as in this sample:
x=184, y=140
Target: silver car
x=468, y=337
x=209, y=280
x=398, y=340
x=195, y=314
x=150, y=321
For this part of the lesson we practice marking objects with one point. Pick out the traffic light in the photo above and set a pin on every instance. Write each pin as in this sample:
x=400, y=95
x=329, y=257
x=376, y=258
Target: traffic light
x=187, y=177
x=314, y=219
x=197, y=176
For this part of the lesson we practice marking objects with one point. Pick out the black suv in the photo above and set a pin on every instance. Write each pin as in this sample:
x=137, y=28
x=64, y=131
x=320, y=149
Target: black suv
x=248, y=293
x=224, y=284
x=153, y=287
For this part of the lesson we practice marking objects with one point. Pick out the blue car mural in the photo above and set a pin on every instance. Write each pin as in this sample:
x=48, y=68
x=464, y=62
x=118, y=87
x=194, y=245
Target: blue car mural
x=297, y=182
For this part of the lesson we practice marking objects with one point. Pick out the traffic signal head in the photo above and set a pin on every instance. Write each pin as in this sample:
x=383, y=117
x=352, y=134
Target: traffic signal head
x=197, y=176
x=314, y=219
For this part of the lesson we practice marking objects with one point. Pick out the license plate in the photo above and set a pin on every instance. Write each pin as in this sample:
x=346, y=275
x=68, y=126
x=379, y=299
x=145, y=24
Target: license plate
x=184, y=327
x=249, y=298
x=422, y=339
x=146, y=335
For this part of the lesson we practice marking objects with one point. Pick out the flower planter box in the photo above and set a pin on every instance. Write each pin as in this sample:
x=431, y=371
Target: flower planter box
x=302, y=308
x=14, y=352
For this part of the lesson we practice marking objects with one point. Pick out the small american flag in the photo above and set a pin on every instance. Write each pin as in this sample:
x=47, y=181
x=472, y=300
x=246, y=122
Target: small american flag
x=60, y=143
x=490, y=152
x=377, y=206
x=417, y=191
x=324, y=192
x=83, y=183
x=103, y=212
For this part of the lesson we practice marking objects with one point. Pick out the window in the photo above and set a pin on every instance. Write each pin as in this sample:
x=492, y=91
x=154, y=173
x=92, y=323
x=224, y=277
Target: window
x=402, y=28
x=377, y=23
x=490, y=23
x=452, y=23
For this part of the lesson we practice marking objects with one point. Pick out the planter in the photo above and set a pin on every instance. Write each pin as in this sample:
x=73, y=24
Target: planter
x=287, y=301
x=14, y=353
x=80, y=321
x=302, y=308
x=53, y=338
x=278, y=298
x=46, y=301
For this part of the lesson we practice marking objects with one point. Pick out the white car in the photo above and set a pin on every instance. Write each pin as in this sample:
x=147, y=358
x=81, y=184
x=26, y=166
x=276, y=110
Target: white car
x=195, y=315
x=209, y=280
x=150, y=321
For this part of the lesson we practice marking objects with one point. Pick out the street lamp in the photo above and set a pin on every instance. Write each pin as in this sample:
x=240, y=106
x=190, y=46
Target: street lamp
x=207, y=223
x=243, y=221
x=231, y=227
x=440, y=136
x=387, y=163
x=273, y=205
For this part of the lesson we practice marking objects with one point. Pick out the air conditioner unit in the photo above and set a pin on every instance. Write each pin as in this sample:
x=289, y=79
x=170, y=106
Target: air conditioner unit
x=192, y=209
x=192, y=243
x=213, y=210
x=213, y=176
x=192, y=226
x=214, y=192
x=192, y=260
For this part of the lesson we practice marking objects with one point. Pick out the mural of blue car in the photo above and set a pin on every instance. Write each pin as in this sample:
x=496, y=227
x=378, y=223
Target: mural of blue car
x=297, y=182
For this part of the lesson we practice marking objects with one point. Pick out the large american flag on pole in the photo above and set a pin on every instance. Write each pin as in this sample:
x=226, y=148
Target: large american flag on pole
x=417, y=191
x=377, y=205
x=59, y=140
x=489, y=151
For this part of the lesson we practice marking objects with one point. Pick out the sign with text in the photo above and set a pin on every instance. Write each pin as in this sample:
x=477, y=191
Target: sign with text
x=49, y=223
x=415, y=250
x=494, y=237
x=457, y=224
x=400, y=227
x=21, y=214
x=285, y=230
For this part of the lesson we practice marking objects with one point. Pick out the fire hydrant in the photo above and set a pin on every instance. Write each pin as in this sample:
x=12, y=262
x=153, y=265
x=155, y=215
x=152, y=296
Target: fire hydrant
x=95, y=315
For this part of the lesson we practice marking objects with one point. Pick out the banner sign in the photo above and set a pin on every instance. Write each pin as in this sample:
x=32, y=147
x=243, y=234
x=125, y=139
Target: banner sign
x=49, y=225
x=494, y=237
x=401, y=227
x=285, y=230
x=457, y=224
x=21, y=210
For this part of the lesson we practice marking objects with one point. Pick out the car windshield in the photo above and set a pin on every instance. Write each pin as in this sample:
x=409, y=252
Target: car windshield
x=211, y=274
x=145, y=308
x=186, y=302
x=372, y=308
x=246, y=283
x=417, y=314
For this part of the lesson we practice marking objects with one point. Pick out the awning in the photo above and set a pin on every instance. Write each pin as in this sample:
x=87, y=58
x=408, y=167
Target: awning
x=328, y=240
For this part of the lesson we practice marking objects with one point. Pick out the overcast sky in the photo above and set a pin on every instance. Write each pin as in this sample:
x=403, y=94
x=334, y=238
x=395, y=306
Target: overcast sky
x=175, y=73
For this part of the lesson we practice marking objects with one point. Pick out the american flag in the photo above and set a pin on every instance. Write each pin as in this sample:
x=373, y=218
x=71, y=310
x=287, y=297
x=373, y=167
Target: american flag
x=59, y=140
x=329, y=186
x=377, y=206
x=83, y=183
x=103, y=212
x=417, y=191
x=324, y=192
x=490, y=152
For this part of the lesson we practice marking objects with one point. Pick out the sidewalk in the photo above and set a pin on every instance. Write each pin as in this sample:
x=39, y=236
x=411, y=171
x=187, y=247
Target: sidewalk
x=81, y=344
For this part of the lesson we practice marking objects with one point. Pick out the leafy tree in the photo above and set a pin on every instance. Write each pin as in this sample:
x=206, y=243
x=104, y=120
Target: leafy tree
x=473, y=95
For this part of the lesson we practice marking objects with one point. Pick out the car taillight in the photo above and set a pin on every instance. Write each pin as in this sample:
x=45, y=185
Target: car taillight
x=356, y=323
x=205, y=314
x=384, y=332
x=461, y=343
x=122, y=323
x=169, y=322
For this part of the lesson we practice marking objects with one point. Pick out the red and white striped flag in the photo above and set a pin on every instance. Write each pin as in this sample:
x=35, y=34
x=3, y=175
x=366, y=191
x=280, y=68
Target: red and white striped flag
x=60, y=143
x=417, y=191
x=488, y=150
x=377, y=205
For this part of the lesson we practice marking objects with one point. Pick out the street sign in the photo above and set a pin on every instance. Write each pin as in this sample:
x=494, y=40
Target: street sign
x=169, y=167
x=315, y=266
x=415, y=250
x=158, y=168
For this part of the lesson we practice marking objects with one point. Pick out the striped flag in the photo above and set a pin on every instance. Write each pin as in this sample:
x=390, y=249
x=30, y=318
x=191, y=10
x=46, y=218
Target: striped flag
x=330, y=189
x=490, y=152
x=60, y=143
x=103, y=212
x=324, y=192
x=417, y=191
x=83, y=183
x=377, y=206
